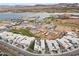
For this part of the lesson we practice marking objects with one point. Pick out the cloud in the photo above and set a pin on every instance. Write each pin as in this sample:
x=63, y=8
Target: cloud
x=39, y=1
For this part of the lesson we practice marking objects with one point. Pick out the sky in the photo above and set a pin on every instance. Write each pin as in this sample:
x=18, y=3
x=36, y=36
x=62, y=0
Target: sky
x=37, y=1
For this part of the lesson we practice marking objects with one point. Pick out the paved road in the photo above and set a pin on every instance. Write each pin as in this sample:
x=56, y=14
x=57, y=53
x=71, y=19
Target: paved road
x=18, y=50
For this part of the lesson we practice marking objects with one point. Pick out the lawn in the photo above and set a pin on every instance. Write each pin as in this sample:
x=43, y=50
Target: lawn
x=23, y=32
x=72, y=25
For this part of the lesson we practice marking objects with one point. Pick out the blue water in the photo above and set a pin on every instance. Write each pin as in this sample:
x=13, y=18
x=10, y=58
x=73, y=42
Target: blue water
x=17, y=15
x=28, y=14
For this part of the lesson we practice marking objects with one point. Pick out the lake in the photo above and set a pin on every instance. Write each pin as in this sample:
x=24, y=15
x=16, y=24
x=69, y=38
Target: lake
x=9, y=15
